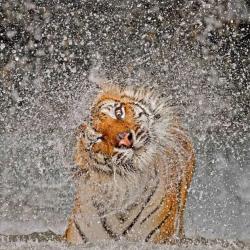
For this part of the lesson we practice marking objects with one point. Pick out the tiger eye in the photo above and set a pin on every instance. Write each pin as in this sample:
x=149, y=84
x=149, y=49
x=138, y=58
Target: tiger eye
x=118, y=113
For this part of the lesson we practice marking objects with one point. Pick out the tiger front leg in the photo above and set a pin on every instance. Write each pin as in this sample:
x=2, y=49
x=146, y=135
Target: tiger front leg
x=85, y=224
x=166, y=220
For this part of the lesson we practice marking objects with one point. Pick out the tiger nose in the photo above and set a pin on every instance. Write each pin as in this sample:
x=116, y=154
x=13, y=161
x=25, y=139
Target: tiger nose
x=125, y=139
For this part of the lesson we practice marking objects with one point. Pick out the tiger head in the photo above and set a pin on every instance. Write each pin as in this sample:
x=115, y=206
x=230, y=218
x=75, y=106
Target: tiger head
x=127, y=128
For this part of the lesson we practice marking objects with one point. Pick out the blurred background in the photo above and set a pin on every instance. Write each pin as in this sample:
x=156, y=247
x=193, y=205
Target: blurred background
x=53, y=54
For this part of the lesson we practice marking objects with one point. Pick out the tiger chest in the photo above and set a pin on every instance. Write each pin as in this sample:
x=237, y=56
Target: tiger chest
x=116, y=198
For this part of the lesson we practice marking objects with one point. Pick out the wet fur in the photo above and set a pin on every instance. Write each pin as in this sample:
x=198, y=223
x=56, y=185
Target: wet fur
x=140, y=193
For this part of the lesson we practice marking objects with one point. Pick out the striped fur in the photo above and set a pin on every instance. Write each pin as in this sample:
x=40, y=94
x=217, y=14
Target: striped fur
x=136, y=193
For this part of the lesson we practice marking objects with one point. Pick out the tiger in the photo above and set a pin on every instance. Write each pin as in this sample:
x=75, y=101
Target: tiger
x=136, y=162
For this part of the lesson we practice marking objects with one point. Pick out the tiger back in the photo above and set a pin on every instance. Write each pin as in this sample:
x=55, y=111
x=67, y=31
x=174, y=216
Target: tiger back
x=137, y=164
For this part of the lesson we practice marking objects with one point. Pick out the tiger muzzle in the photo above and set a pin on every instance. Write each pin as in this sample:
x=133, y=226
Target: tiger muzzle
x=125, y=139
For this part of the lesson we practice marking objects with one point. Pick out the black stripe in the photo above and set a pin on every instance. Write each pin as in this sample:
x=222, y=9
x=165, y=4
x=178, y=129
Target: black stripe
x=98, y=170
x=107, y=228
x=95, y=167
x=101, y=102
x=147, y=140
x=144, y=137
x=84, y=238
x=119, y=155
x=140, y=133
x=122, y=159
x=104, y=223
x=155, y=229
x=152, y=212
x=140, y=114
x=144, y=205
x=129, y=166
x=142, y=108
x=179, y=193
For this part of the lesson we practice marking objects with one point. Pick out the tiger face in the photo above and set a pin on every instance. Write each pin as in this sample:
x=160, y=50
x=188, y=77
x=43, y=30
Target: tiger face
x=123, y=129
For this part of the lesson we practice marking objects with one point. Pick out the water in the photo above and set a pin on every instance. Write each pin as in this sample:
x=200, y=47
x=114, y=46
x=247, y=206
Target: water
x=53, y=55
x=117, y=245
